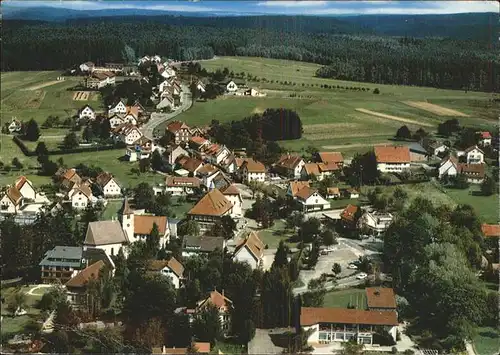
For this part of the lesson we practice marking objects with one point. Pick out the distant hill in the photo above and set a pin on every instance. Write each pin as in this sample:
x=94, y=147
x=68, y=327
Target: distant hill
x=473, y=26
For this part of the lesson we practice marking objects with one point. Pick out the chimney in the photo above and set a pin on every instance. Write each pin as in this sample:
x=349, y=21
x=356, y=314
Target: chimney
x=222, y=292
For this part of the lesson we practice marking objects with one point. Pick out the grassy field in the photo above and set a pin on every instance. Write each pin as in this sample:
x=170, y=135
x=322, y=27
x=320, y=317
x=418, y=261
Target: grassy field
x=12, y=325
x=272, y=236
x=111, y=210
x=487, y=341
x=329, y=116
x=486, y=207
x=342, y=298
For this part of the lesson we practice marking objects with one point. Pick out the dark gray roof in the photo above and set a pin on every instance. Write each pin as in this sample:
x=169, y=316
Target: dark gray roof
x=63, y=256
x=203, y=244
x=417, y=148
x=173, y=220
x=105, y=232
x=93, y=255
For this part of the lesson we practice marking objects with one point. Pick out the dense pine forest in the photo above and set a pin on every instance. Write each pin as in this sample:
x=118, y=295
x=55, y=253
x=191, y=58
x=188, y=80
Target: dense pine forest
x=348, y=48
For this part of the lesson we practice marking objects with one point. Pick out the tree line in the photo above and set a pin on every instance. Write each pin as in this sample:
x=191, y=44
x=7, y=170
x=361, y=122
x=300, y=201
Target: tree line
x=438, y=62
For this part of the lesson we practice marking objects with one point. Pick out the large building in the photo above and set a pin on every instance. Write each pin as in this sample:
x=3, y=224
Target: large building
x=392, y=159
x=210, y=209
x=60, y=264
x=341, y=324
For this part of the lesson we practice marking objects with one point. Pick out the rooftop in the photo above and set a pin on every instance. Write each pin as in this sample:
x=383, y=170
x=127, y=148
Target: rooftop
x=331, y=157
x=203, y=243
x=214, y=203
x=380, y=297
x=311, y=315
x=63, y=256
x=491, y=230
x=143, y=224
x=105, y=232
x=392, y=154
x=87, y=274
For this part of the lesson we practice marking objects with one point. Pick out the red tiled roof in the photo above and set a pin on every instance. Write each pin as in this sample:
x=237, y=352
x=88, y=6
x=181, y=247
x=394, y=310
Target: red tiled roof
x=14, y=195
x=310, y=316
x=471, y=170
x=84, y=276
x=176, y=126
x=380, y=297
x=21, y=181
x=217, y=299
x=254, y=245
x=305, y=192
x=490, y=230
x=288, y=161
x=486, y=135
x=296, y=186
x=190, y=164
x=143, y=224
x=333, y=191
x=349, y=212
x=254, y=166
x=214, y=203
x=231, y=190
x=392, y=154
x=198, y=140
x=172, y=181
x=331, y=157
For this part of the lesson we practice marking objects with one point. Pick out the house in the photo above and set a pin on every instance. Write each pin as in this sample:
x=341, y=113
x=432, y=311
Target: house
x=200, y=86
x=474, y=173
x=290, y=165
x=76, y=287
x=166, y=100
x=221, y=182
x=254, y=93
x=318, y=170
x=15, y=126
x=106, y=235
x=376, y=222
x=60, y=264
x=490, y=230
x=127, y=133
x=207, y=173
x=92, y=255
x=380, y=299
x=108, y=185
x=68, y=178
x=173, y=152
x=417, y=152
x=349, y=215
x=201, y=348
x=332, y=193
x=170, y=268
x=86, y=112
x=139, y=226
x=438, y=149
x=167, y=73
x=341, y=324
x=234, y=196
x=140, y=149
x=484, y=138
x=392, y=159
x=311, y=199
x=99, y=80
x=295, y=186
x=119, y=107
x=448, y=167
x=115, y=120
x=80, y=196
x=215, y=153
x=330, y=157
x=132, y=115
x=252, y=170
x=87, y=67
x=474, y=155
x=210, y=209
x=350, y=193
x=231, y=86
x=194, y=245
x=198, y=142
x=178, y=132
x=223, y=304
x=25, y=187
x=250, y=250
x=192, y=165
x=181, y=186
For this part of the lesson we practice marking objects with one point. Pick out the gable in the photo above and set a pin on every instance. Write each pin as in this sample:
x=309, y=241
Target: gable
x=245, y=251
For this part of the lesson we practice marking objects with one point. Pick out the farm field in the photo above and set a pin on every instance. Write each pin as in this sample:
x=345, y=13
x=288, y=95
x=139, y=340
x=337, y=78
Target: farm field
x=337, y=119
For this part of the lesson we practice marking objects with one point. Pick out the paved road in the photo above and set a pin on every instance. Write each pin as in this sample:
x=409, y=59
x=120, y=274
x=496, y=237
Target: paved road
x=341, y=283
x=148, y=128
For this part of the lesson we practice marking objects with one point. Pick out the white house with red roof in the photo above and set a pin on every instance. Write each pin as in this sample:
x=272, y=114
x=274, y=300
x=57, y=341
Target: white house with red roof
x=484, y=138
x=25, y=187
x=310, y=199
x=250, y=250
x=392, y=159
x=474, y=155
x=234, y=196
x=290, y=165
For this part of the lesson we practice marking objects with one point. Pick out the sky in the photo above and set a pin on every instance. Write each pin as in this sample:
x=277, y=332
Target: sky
x=276, y=7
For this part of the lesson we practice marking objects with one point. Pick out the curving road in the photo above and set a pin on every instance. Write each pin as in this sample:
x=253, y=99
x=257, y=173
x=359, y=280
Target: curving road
x=156, y=119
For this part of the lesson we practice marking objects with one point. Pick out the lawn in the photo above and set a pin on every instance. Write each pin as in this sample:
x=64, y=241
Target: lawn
x=111, y=210
x=12, y=325
x=342, y=298
x=272, y=236
x=180, y=209
x=487, y=341
x=228, y=348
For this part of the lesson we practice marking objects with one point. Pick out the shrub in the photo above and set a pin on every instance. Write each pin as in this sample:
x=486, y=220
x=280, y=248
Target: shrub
x=376, y=91
x=408, y=352
x=394, y=350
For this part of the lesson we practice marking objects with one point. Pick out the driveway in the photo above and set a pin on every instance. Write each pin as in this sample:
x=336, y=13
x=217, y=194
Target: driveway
x=156, y=119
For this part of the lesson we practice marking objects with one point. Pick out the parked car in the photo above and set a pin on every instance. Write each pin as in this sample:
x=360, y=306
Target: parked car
x=361, y=276
x=352, y=267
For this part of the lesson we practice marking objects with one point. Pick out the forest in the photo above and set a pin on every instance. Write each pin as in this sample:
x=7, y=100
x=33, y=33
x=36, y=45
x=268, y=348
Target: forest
x=443, y=62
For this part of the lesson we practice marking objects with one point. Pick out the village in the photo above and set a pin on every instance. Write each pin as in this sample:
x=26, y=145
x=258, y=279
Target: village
x=332, y=225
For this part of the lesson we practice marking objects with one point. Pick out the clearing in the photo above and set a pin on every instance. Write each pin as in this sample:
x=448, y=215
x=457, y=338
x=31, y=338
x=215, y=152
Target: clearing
x=438, y=110
x=395, y=118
